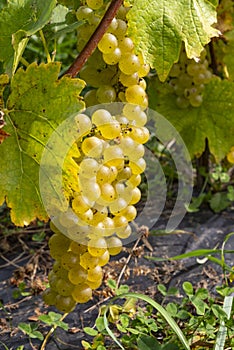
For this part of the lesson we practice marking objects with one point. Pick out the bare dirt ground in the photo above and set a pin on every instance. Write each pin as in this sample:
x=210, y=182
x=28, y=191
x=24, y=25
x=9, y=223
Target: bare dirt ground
x=28, y=261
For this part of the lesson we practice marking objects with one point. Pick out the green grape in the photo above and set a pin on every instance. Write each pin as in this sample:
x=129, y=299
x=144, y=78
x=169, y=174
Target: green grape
x=88, y=168
x=138, y=166
x=195, y=100
x=138, y=134
x=124, y=233
x=124, y=174
x=77, y=248
x=64, y=287
x=104, y=174
x=131, y=111
x=134, y=180
x=106, y=227
x=128, y=80
x=113, y=26
x=107, y=192
x=106, y=94
x=101, y=117
x=135, y=94
x=129, y=63
x=69, y=260
x=90, y=98
x=118, y=205
x=92, y=147
x=104, y=258
x=113, y=156
x=120, y=222
x=65, y=304
x=138, y=153
x=59, y=270
x=49, y=296
x=95, y=4
x=114, y=245
x=97, y=247
x=108, y=43
x=83, y=124
x=94, y=284
x=58, y=245
x=89, y=188
x=88, y=261
x=121, y=29
x=126, y=45
x=100, y=214
x=113, y=57
x=81, y=204
x=129, y=212
x=87, y=216
x=77, y=275
x=95, y=273
x=110, y=131
x=53, y=279
x=83, y=13
x=136, y=195
x=82, y=293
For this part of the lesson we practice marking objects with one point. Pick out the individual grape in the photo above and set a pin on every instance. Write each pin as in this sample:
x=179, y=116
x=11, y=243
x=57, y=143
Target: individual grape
x=87, y=216
x=134, y=180
x=113, y=156
x=88, y=168
x=138, y=166
x=106, y=227
x=113, y=57
x=118, y=205
x=129, y=64
x=106, y=94
x=70, y=260
x=114, y=245
x=77, y=248
x=94, y=284
x=53, y=279
x=107, y=192
x=111, y=130
x=84, y=13
x=64, y=287
x=195, y=100
x=77, y=275
x=97, y=247
x=136, y=195
x=67, y=219
x=101, y=116
x=82, y=293
x=90, y=98
x=108, y=43
x=135, y=94
x=129, y=212
x=128, y=80
x=95, y=273
x=88, y=261
x=139, y=134
x=81, y=204
x=49, y=296
x=124, y=233
x=90, y=189
x=104, y=258
x=121, y=29
x=124, y=174
x=104, y=174
x=58, y=245
x=59, y=270
x=95, y=4
x=83, y=124
x=126, y=45
x=92, y=147
x=120, y=222
x=64, y=303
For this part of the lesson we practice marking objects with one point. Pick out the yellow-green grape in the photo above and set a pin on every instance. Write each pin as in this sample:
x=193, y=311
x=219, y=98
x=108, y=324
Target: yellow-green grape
x=58, y=245
x=113, y=57
x=120, y=222
x=90, y=189
x=104, y=174
x=107, y=192
x=94, y=284
x=90, y=98
x=121, y=29
x=138, y=166
x=106, y=227
x=59, y=270
x=92, y=147
x=101, y=117
x=126, y=44
x=77, y=248
x=136, y=195
x=135, y=94
x=124, y=233
x=84, y=13
x=95, y=273
x=69, y=260
x=106, y=94
x=113, y=155
x=129, y=212
x=88, y=261
x=64, y=304
x=81, y=204
x=87, y=216
x=114, y=245
x=134, y=180
x=118, y=205
x=124, y=174
x=82, y=293
x=97, y=247
x=138, y=134
x=53, y=279
x=113, y=25
x=108, y=43
x=88, y=168
x=128, y=80
x=104, y=258
x=139, y=152
x=83, y=124
x=64, y=287
x=123, y=192
x=99, y=214
x=49, y=296
x=77, y=275
x=95, y=4
x=129, y=63
x=110, y=131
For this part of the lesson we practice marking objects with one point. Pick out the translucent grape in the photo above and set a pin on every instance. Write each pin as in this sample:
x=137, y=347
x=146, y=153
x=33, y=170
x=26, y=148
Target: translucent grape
x=138, y=166
x=108, y=43
x=113, y=57
x=106, y=94
x=92, y=147
x=135, y=94
x=111, y=130
x=95, y=273
x=114, y=245
x=128, y=80
x=101, y=116
x=97, y=247
x=88, y=261
x=77, y=275
x=82, y=293
x=64, y=304
x=64, y=287
x=95, y=4
x=70, y=260
x=129, y=64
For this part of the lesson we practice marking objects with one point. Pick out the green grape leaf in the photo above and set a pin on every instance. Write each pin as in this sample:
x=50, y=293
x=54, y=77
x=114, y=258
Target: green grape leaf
x=18, y=21
x=158, y=28
x=213, y=120
x=38, y=103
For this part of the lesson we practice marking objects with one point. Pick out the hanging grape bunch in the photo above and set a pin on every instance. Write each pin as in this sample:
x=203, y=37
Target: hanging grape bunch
x=188, y=79
x=110, y=163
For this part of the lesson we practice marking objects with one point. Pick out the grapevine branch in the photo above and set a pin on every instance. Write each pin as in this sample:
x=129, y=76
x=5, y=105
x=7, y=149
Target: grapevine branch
x=91, y=45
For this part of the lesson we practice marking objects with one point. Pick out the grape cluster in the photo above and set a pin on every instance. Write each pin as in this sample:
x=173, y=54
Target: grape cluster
x=114, y=72
x=188, y=79
x=102, y=206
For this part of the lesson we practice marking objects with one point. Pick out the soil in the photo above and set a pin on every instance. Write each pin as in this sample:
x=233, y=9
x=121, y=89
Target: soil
x=25, y=260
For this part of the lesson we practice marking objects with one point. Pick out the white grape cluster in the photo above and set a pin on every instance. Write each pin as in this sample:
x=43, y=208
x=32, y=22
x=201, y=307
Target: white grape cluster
x=114, y=72
x=188, y=79
x=102, y=205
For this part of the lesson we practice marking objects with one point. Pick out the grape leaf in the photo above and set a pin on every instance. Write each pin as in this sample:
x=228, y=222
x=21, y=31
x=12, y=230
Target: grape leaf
x=38, y=103
x=229, y=54
x=19, y=20
x=158, y=27
x=213, y=120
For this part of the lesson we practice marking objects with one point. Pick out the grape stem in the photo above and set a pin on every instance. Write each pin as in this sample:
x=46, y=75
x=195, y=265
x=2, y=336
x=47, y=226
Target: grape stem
x=91, y=45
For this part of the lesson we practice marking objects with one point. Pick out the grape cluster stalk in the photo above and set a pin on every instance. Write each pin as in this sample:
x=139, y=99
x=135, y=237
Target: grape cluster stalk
x=110, y=164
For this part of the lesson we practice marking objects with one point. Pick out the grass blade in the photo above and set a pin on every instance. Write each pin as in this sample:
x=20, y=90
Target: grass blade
x=222, y=333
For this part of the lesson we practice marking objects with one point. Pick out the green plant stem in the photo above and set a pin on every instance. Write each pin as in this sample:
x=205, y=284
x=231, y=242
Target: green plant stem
x=91, y=45
x=24, y=62
x=51, y=331
x=45, y=46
